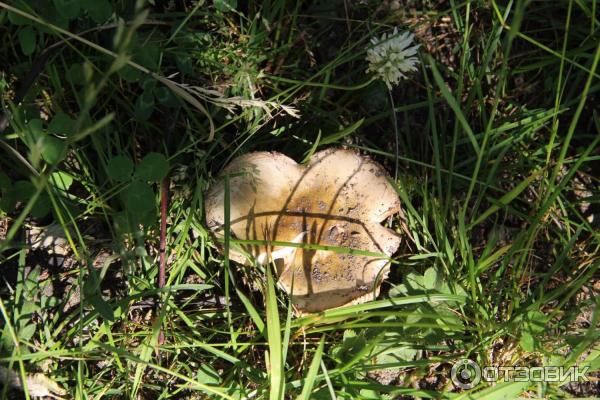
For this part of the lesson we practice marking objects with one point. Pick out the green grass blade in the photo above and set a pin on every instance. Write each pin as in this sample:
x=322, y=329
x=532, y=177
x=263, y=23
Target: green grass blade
x=507, y=198
x=454, y=105
x=276, y=367
x=312, y=371
x=501, y=391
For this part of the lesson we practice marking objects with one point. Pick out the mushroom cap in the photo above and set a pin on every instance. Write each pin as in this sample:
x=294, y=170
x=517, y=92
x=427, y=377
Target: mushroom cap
x=337, y=200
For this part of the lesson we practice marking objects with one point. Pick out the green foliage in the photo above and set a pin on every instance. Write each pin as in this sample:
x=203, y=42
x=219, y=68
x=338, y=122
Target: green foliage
x=26, y=306
x=153, y=167
x=61, y=180
x=138, y=198
x=120, y=168
x=98, y=10
x=92, y=295
x=225, y=5
x=27, y=40
x=61, y=125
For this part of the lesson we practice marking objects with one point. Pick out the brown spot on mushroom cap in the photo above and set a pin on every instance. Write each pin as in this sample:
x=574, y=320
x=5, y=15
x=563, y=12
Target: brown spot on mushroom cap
x=338, y=199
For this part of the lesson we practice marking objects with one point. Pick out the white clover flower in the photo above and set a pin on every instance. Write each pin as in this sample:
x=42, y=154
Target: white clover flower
x=392, y=56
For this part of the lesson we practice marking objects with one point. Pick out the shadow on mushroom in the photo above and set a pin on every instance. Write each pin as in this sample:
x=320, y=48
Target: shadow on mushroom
x=336, y=201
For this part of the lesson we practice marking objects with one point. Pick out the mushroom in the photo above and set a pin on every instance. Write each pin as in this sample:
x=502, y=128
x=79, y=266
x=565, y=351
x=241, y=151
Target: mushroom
x=337, y=200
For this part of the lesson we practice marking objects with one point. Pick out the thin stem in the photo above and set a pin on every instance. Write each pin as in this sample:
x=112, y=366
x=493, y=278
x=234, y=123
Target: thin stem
x=396, y=135
x=396, y=140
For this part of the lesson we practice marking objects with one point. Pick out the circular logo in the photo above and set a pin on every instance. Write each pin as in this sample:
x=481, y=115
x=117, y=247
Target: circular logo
x=466, y=374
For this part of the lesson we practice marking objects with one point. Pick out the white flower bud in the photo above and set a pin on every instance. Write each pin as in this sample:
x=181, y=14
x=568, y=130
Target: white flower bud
x=390, y=57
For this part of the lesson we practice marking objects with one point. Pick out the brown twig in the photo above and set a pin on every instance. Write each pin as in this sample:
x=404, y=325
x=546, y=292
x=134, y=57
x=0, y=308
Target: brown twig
x=164, y=202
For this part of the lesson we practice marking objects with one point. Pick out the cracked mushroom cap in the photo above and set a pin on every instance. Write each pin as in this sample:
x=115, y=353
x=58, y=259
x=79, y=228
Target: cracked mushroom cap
x=337, y=200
